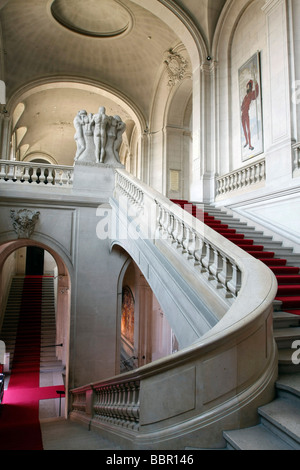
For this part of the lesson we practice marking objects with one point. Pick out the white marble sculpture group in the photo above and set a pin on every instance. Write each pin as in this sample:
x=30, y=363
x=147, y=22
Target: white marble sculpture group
x=98, y=137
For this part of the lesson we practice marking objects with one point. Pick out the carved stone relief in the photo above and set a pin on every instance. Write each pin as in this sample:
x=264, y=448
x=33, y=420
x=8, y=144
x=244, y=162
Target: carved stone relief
x=24, y=222
x=176, y=67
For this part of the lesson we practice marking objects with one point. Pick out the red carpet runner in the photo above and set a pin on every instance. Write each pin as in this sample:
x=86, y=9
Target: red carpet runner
x=288, y=277
x=19, y=411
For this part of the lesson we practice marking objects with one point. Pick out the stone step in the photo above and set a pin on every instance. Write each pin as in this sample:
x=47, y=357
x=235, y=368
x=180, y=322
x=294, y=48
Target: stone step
x=255, y=438
x=288, y=384
x=280, y=417
x=278, y=429
x=285, y=320
x=286, y=365
x=285, y=337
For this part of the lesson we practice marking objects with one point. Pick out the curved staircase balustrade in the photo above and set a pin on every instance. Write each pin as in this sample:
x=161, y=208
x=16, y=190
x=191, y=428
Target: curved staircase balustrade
x=215, y=383
x=29, y=172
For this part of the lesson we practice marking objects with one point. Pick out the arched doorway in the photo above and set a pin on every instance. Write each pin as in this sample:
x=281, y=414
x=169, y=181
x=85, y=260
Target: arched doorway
x=144, y=331
x=14, y=264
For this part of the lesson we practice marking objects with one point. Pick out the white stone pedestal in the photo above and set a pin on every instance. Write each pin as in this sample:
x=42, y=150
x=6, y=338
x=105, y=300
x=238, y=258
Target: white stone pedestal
x=95, y=177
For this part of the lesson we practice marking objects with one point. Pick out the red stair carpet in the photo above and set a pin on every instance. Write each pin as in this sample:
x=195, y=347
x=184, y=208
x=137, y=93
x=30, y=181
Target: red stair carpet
x=288, y=277
x=19, y=411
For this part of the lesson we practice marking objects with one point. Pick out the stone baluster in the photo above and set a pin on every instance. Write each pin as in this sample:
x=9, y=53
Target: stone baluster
x=11, y=173
x=2, y=170
x=42, y=176
x=200, y=253
x=216, y=266
x=186, y=238
x=234, y=284
x=133, y=409
x=33, y=174
x=225, y=275
x=208, y=260
x=171, y=227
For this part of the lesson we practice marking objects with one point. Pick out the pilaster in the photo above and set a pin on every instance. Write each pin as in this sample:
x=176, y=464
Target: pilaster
x=279, y=139
x=204, y=135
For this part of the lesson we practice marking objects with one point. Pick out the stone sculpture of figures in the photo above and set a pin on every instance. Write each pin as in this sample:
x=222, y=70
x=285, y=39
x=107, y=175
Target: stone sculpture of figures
x=120, y=128
x=101, y=121
x=79, y=137
x=98, y=137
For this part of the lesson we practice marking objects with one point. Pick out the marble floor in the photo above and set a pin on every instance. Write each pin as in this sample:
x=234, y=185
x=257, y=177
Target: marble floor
x=62, y=434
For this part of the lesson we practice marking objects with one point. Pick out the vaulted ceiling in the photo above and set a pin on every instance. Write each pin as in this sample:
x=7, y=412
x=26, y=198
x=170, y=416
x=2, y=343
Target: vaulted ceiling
x=114, y=48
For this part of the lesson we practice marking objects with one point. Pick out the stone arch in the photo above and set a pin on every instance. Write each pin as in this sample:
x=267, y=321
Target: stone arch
x=88, y=93
x=63, y=288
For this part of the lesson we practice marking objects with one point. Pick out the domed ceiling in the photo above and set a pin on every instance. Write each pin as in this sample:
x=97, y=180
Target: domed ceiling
x=109, y=51
x=104, y=19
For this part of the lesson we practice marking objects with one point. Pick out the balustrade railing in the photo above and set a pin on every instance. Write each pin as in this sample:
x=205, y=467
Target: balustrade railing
x=296, y=162
x=177, y=399
x=118, y=404
x=35, y=173
x=188, y=235
x=249, y=175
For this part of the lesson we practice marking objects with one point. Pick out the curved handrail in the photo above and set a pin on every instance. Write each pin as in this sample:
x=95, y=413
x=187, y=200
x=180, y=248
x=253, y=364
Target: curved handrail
x=129, y=401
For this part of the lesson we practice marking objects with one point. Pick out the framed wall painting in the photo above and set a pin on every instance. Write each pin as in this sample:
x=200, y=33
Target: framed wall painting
x=127, y=319
x=251, y=108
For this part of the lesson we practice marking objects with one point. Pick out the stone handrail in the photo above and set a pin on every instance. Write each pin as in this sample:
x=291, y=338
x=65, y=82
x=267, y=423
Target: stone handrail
x=183, y=231
x=36, y=173
x=249, y=175
x=222, y=376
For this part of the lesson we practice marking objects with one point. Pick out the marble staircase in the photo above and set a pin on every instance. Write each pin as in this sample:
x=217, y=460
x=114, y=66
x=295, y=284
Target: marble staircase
x=48, y=359
x=279, y=421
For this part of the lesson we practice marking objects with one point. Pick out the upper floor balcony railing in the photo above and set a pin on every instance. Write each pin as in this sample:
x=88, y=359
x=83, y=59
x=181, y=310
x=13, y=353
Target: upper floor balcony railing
x=36, y=173
x=252, y=175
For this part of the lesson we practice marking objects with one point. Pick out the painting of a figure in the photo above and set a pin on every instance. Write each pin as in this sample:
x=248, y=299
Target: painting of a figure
x=127, y=320
x=251, y=108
